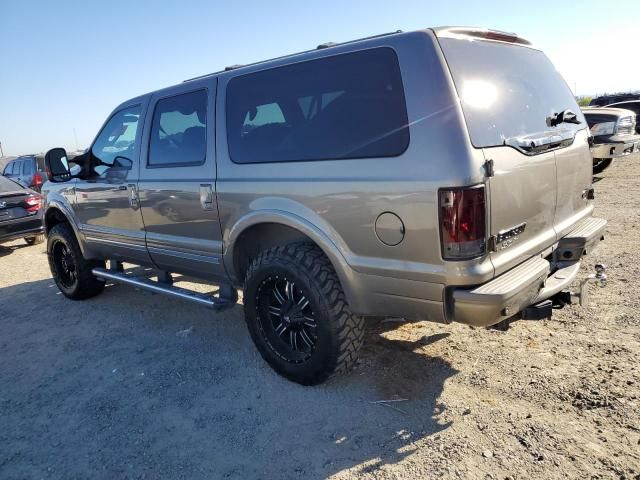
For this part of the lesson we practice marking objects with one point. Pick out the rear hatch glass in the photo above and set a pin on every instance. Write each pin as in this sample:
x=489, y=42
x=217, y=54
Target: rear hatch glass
x=506, y=90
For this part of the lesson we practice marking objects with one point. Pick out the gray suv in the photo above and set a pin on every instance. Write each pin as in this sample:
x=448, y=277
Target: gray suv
x=439, y=175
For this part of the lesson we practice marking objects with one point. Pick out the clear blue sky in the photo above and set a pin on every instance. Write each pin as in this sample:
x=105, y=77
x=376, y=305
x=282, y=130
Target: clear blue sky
x=67, y=64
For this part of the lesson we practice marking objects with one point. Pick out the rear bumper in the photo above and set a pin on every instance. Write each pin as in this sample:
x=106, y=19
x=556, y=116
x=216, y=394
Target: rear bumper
x=616, y=146
x=530, y=282
x=20, y=228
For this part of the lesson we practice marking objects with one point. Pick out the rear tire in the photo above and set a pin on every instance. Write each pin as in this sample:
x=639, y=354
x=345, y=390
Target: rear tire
x=601, y=164
x=38, y=239
x=297, y=314
x=70, y=270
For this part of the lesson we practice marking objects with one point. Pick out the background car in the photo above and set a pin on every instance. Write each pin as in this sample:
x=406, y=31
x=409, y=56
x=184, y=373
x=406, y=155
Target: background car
x=605, y=100
x=634, y=106
x=20, y=213
x=614, y=134
x=27, y=170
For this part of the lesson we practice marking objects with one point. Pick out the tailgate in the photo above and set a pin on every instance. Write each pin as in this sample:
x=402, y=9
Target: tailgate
x=522, y=202
x=574, y=172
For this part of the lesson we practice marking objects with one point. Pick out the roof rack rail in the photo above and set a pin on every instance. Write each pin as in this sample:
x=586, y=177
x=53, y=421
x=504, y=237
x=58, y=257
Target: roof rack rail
x=326, y=45
x=319, y=47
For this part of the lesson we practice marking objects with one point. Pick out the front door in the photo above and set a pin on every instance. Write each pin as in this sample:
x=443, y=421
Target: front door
x=177, y=182
x=106, y=200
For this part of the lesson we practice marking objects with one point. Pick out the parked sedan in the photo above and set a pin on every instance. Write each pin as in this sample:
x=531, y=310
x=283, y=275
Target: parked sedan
x=20, y=213
x=614, y=134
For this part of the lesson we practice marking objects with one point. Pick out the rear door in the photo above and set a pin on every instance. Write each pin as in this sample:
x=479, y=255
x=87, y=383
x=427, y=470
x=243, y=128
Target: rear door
x=509, y=93
x=574, y=166
x=177, y=181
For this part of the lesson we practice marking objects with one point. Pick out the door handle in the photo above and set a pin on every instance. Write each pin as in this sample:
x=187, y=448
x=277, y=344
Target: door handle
x=122, y=187
x=133, y=196
x=206, y=196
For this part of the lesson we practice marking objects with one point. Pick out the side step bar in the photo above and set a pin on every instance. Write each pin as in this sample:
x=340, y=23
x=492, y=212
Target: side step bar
x=227, y=297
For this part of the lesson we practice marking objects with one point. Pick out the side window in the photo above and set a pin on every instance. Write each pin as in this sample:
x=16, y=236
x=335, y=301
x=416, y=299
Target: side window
x=40, y=163
x=262, y=115
x=118, y=137
x=343, y=106
x=179, y=130
x=17, y=167
x=29, y=167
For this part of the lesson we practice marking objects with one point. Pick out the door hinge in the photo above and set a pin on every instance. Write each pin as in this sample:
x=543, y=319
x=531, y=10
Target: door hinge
x=488, y=168
x=492, y=244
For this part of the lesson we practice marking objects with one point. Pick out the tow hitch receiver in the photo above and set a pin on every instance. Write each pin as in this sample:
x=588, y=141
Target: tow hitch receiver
x=600, y=277
x=539, y=311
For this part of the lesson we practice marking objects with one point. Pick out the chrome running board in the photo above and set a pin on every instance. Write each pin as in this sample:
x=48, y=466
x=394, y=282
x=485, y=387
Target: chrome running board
x=227, y=295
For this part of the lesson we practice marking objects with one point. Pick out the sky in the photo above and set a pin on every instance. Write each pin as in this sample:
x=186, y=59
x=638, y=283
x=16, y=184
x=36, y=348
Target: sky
x=65, y=65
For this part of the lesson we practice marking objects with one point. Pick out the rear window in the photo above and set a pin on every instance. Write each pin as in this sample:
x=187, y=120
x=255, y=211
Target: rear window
x=506, y=91
x=344, y=106
x=7, y=185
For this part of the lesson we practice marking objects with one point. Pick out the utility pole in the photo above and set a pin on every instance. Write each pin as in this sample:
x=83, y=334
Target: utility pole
x=1, y=151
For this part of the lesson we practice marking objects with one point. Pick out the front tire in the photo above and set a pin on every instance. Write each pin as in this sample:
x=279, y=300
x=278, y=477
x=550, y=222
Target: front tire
x=601, y=164
x=70, y=270
x=297, y=314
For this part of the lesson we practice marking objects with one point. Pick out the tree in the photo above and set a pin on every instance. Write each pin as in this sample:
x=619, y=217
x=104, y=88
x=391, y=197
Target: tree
x=583, y=101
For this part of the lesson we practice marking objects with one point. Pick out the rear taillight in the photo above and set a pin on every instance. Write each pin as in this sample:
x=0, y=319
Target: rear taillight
x=462, y=222
x=33, y=203
x=37, y=180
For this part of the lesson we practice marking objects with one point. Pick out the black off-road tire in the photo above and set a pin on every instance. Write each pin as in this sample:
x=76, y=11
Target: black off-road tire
x=84, y=284
x=35, y=240
x=601, y=165
x=340, y=333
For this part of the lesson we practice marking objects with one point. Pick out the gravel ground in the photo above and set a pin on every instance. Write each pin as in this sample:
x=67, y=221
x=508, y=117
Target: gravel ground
x=134, y=385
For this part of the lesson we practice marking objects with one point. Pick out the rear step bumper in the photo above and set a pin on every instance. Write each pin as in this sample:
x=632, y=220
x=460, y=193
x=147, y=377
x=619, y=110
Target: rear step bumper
x=616, y=147
x=529, y=283
x=227, y=297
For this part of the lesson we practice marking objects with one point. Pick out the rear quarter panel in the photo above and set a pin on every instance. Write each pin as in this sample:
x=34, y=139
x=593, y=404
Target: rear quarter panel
x=341, y=199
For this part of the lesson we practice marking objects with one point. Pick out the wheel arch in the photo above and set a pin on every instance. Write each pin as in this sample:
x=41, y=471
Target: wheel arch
x=261, y=230
x=56, y=214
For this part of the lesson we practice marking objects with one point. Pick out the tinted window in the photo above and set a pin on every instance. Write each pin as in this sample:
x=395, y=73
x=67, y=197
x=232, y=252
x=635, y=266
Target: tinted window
x=506, y=91
x=118, y=137
x=345, y=106
x=29, y=166
x=40, y=163
x=178, y=132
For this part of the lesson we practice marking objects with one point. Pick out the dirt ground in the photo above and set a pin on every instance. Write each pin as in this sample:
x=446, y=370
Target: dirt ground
x=133, y=385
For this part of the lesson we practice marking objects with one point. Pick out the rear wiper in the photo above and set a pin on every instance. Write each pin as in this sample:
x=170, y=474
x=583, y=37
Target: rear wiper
x=566, y=116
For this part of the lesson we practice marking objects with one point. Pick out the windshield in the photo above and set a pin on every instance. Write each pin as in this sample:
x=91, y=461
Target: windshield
x=507, y=91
